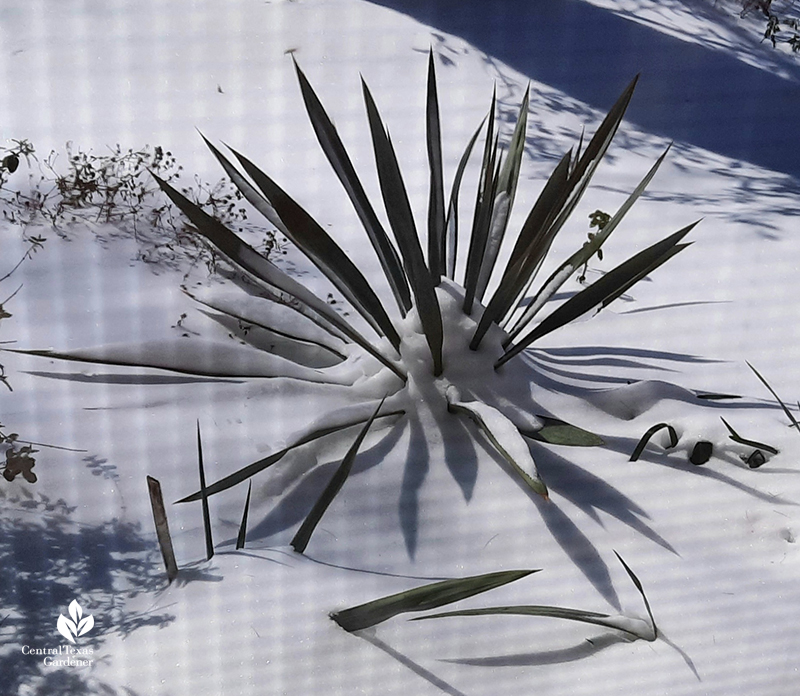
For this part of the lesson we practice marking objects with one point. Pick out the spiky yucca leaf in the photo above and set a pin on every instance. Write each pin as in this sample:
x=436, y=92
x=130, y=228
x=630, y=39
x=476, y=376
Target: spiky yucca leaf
x=618, y=623
x=451, y=223
x=437, y=252
x=298, y=349
x=744, y=441
x=303, y=535
x=635, y=628
x=482, y=215
x=221, y=360
x=401, y=220
x=582, y=256
x=638, y=584
x=336, y=153
x=241, y=538
x=506, y=192
x=533, y=239
x=596, y=149
x=252, y=195
x=256, y=467
x=644, y=272
x=605, y=290
x=532, y=245
x=578, y=150
x=549, y=215
x=204, y=497
x=786, y=410
x=308, y=235
x=256, y=307
x=504, y=436
x=249, y=260
x=423, y=598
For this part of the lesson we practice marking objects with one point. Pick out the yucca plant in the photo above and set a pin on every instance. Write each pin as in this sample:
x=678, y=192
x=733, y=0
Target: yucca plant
x=459, y=317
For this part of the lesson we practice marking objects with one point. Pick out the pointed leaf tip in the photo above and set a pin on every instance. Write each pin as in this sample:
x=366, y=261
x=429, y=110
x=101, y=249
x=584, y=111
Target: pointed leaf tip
x=431, y=596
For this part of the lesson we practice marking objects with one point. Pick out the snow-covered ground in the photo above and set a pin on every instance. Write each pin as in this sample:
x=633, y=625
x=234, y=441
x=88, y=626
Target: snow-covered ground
x=714, y=546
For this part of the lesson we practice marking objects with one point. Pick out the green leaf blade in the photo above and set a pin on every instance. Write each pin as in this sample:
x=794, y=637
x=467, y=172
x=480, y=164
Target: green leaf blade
x=673, y=439
x=484, y=205
x=324, y=252
x=256, y=467
x=401, y=220
x=194, y=358
x=603, y=291
x=543, y=230
x=340, y=161
x=204, y=498
x=504, y=437
x=506, y=188
x=558, y=432
x=451, y=223
x=745, y=441
x=290, y=346
x=532, y=245
x=585, y=253
x=786, y=410
x=423, y=598
x=241, y=538
x=250, y=261
x=303, y=536
x=436, y=218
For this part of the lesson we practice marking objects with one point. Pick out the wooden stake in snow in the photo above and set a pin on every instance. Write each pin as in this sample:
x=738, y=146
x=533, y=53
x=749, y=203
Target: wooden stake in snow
x=162, y=527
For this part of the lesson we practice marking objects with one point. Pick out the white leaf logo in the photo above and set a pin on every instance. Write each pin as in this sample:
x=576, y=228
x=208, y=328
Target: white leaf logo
x=66, y=628
x=86, y=625
x=77, y=626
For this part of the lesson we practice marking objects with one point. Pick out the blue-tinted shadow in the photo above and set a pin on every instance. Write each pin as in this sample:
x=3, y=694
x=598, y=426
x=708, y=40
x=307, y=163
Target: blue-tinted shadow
x=687, y=92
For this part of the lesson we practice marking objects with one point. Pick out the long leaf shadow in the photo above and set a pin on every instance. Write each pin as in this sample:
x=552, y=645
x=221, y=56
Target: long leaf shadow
x=581, y=552
x=407, y=662
x=47, y=560
x=588, y=368
x=586, y=377
x=417, y=466
x=581, y=651
x=592, y=494
x=114, y=378
x=294, y=506
x=606, y=361
x=572, y=540
x=460, y=457
x=673, y=305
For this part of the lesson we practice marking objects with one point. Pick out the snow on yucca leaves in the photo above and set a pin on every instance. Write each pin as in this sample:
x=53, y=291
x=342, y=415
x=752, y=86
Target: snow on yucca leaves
x=452, y=343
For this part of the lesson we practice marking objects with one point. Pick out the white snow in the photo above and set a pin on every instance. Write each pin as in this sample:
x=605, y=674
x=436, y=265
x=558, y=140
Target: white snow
x=714, y=546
